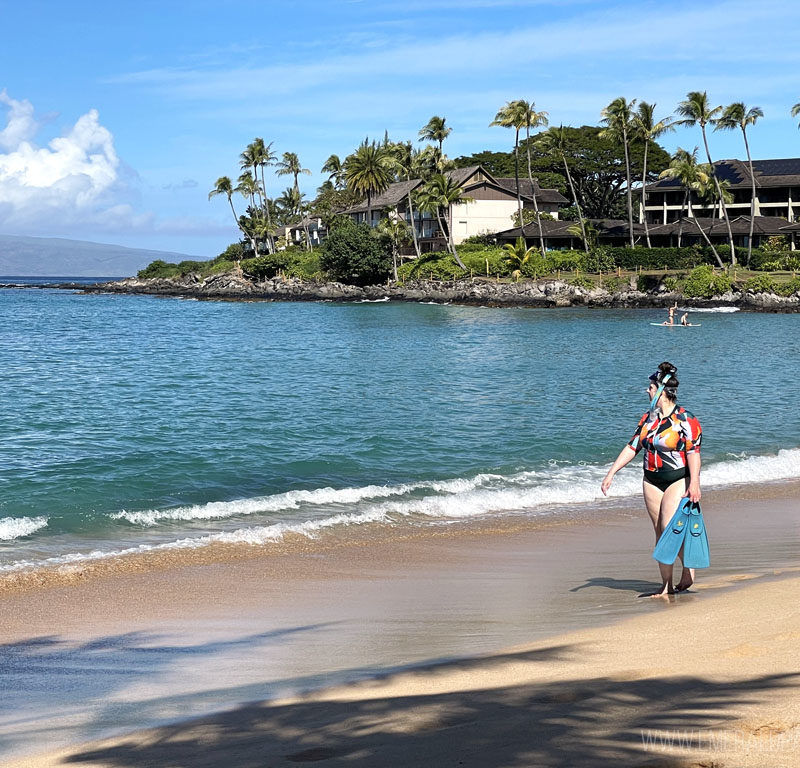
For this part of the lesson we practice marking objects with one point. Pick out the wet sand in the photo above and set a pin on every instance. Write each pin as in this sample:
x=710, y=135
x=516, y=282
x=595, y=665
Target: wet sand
x=123, y=651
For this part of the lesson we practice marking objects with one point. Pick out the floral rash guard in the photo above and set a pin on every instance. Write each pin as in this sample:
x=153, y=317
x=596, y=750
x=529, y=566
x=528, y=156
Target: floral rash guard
x=667, y=442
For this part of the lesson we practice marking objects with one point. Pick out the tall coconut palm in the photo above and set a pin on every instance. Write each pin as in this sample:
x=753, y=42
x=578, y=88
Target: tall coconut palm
x=554, y=142
x=224, y=186
x=289, y=165
x=335, y=170
x=796, y=111
x=264, y=156
x=694, y=178
x=248, y=187
x=737, y=115
x=248, y=160
x=617, y=117
x=396, y=231
x=406, y=167
x=435, y=130
x=369, y=171
x=512, y=115
x=533, y=119
x=696, y=110
x=440, y=193
x=647, y=129
x=290, y=203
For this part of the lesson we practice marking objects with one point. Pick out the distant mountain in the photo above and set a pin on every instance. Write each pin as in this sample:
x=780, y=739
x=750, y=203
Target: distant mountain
x=55, y=257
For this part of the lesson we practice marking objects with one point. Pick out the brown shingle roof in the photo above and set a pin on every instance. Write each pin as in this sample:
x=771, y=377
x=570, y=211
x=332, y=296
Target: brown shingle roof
x=556, y=229
x=542, y=195
x=762, y=225
x=783, y=172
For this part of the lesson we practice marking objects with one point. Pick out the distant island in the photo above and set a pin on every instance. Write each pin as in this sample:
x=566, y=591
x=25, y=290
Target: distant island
x=59, y=257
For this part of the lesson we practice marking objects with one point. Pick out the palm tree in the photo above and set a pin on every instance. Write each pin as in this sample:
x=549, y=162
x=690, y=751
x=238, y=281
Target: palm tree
x=406, y=167
x=589, y=235
x=533, y=119
x=516, y=255
x=696, y=110
x=250, y=158
x=290, y=202
x=396, y=231
x=442, y=193
x=435, y=130
x=248, y=187
x=335, y=170
x=512, y=115
x=647, y=129
x=264, y=156
x=617, y=117
x=694, y=178
x=289, y=165
x=224, y=186
x=737, y=115
x=796, y=111
x=554, y=142
x=369, y=171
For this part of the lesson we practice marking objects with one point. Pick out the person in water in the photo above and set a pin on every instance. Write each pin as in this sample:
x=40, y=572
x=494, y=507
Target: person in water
x=671, y=310
x=685, y=319
x=670, y=437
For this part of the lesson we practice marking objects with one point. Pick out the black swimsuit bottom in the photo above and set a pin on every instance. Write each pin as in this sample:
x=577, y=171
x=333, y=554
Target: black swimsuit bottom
x=663, y=480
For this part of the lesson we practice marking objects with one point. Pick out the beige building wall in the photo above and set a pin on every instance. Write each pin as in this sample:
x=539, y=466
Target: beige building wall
x=482, y=216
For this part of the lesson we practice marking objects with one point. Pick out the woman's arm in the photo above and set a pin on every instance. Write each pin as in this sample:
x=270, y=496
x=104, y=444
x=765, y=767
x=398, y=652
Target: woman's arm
x=625, y=457
x=693, y=491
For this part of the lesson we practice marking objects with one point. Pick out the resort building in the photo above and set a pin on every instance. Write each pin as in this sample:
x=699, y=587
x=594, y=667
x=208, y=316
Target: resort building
x=493, y=203
x=777, y=184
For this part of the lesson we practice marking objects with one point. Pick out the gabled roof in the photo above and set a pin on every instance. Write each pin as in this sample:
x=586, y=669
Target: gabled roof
x=767, y=173
x=526, y=190
x=398, y=191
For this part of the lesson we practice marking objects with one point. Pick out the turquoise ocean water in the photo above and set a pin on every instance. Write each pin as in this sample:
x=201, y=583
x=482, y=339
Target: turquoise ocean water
x=131, y=423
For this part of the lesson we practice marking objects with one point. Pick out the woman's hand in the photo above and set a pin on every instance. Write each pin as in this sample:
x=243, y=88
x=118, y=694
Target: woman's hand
x=693, y=492
x=606, y=484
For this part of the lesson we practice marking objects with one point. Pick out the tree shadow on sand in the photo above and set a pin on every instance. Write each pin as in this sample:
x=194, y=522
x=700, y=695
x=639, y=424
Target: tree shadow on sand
x=578, y=722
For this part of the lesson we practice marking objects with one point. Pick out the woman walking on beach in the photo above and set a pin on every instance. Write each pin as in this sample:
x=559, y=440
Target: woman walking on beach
x=671, y=437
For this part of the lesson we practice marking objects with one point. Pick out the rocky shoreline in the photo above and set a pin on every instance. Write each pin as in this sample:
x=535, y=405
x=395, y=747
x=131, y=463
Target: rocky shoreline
x=540, y=293
x=482, y=292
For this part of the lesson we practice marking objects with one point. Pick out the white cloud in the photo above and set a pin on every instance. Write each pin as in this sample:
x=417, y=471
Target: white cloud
x=73, y=178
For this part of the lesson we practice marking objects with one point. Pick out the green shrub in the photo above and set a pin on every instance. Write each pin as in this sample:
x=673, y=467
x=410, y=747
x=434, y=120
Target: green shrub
x=704, y=283
x=434, y=266
x=789, y=288
x=484, y=239
x=670, y=283
x=613, y=283
x=600, y=260
x=158, y=268
x=566, y=261
x=266, y=266
x=760, y=284
x=353, y=254
x=776, y=244
x=303, y=264
x=658, y=258
x=581, y=281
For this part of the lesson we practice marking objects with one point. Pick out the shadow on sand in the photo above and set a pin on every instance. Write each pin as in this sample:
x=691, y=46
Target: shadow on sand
x=578, y=722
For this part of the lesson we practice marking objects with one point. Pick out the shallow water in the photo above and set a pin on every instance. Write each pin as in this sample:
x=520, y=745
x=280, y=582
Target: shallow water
x=134, y=422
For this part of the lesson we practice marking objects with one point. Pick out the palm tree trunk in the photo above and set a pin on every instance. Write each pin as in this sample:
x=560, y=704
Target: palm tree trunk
x=449, y=239
x=644, y=194
x=413, y=227
x=705, y=236
x=516, y=176
x=721, y=201
x=575, y=203
x=533, y=191
x=394, y=260
x=629, y=193
x=680, y=217
x=752, y=198
x=270, y=239
x=235, y=217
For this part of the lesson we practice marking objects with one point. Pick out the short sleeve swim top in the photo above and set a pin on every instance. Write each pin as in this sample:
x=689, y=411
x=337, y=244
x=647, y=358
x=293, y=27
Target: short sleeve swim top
x=668, y=441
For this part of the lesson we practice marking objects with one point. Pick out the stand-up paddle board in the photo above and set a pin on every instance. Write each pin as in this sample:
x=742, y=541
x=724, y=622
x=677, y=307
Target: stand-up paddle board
x=676, y=325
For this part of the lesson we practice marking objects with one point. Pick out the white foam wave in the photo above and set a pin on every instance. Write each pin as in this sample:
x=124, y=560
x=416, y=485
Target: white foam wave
x=717, y=310
x=17, y=527
x=372, y=301
x=289, y=500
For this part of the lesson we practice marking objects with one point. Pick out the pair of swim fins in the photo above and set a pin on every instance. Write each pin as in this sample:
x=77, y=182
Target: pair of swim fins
x=688, y=530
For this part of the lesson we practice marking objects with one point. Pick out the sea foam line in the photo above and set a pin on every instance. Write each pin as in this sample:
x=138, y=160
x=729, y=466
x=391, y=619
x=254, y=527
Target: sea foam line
x=16, y=527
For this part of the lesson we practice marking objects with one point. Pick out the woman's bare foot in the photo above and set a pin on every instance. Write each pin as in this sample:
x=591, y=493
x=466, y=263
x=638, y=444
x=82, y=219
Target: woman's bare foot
x=687, y=579
x=665, y=591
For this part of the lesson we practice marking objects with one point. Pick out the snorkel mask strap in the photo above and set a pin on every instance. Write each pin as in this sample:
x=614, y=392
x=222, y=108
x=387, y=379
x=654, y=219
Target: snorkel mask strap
x=659, y=392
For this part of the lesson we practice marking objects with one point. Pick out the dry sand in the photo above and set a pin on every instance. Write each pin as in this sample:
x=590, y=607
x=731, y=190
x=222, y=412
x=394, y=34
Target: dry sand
x=716, y=670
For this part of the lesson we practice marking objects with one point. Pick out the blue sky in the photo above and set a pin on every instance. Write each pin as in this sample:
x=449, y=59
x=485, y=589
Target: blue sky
x=115, y=120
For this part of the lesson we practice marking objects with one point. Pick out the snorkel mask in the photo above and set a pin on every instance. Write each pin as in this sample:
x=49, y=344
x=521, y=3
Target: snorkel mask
x=661, y=386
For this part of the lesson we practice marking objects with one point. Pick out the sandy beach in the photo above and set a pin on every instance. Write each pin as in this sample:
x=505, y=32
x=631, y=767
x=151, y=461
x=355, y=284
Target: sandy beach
x=518, y=643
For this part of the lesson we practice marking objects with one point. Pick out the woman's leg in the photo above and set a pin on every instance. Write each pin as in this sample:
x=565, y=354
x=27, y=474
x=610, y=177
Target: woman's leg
x=669, y=503
x=653, y=500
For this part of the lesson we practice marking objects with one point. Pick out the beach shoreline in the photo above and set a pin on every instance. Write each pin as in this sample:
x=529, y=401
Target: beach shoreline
x=279, y=626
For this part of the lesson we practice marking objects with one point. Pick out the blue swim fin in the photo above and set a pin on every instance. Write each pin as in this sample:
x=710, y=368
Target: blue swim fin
x=695, y=550
x=672, y=538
